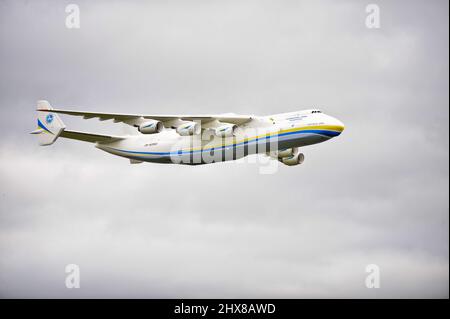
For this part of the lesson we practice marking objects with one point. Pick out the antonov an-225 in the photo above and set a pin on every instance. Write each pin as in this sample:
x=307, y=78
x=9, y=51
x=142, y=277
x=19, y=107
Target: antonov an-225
x=198, y=139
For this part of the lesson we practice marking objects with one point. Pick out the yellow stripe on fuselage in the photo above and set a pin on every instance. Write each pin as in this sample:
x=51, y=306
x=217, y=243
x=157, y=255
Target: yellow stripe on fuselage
x=335, y=128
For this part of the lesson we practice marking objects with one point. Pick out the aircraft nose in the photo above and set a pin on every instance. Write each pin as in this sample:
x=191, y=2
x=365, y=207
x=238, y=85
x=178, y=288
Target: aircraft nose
x=338, y=125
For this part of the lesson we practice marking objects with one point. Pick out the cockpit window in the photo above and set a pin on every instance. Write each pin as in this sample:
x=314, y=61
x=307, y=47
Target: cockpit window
x=316, y=112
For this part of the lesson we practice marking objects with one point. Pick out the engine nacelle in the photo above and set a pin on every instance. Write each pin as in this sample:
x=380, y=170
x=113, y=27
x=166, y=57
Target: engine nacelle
x=225, y=130
x=189, y=128
x=150, y=127
x=287, y=153
x=293, y=160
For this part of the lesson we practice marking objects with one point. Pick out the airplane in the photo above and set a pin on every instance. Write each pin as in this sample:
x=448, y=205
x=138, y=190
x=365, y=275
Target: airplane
x=197, y=139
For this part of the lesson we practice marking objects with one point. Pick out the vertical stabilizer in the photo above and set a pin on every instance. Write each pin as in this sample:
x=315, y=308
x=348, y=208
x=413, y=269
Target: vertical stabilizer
x=49, y=124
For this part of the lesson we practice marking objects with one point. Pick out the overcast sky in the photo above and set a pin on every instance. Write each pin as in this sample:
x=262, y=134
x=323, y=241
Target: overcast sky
x=377, y=194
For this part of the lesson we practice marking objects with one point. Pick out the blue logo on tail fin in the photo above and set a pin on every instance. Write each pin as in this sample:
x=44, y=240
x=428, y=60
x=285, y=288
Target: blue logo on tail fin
x=49, y=118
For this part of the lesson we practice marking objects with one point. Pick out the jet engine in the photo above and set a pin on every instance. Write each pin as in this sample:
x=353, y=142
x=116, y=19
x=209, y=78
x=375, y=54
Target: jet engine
x=150, y=127
x=225, y=130
x=189, y=128
x=293, y=160
x=288, y=152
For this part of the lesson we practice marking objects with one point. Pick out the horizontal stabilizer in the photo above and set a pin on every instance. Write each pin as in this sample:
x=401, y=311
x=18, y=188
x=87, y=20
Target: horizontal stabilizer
x=89, y=137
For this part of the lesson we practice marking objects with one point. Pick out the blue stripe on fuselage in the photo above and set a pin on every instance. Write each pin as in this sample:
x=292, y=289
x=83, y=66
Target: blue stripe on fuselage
x=319, y=132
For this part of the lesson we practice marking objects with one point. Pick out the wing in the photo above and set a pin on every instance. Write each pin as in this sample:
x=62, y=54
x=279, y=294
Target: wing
x=89, y=137
x=167, y=120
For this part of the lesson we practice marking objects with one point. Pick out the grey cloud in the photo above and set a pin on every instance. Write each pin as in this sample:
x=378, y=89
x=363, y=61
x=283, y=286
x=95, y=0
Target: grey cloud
x=376, y=194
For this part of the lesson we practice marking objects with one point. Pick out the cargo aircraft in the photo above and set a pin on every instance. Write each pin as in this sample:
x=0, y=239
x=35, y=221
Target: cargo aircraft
x=197, y=139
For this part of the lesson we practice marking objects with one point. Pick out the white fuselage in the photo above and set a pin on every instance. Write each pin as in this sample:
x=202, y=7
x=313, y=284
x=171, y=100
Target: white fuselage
x=260, y=135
